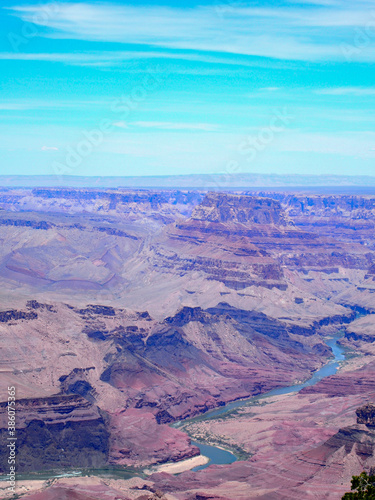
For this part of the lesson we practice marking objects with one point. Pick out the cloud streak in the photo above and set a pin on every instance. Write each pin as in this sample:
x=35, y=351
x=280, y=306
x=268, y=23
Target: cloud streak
x=348, y=91
x=203, y=127
x=112, y=58
x=311, y=31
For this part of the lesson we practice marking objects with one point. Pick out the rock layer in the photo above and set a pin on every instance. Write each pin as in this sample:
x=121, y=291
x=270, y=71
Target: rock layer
x=56, y=432
x=366, y=415
x=219, y=207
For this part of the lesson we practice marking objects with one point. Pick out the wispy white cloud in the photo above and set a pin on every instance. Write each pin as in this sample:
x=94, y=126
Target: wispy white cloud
x=120, y=124
x=313, y=30
x=13, y=106
x=82, y=59
x=345, y=91
x=32, y=104
x=204, y=127
x=109, y=58
x=270, y=89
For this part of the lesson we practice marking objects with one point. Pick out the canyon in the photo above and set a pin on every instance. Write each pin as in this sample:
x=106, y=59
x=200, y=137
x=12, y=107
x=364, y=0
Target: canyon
x=125, y=311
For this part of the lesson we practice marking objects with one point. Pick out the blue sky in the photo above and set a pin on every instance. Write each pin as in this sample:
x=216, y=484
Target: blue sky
x=162, y=88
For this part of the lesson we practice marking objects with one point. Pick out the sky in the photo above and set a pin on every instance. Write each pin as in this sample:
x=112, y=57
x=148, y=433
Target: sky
x=187, y=87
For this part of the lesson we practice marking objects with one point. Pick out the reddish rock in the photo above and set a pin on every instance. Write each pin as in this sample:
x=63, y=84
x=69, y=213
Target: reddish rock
x=137, y=439
x=361, y=381
x=366, y=415
x=69, y=493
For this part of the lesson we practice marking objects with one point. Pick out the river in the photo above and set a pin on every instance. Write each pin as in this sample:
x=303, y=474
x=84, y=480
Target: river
x=215, y=454
x=220, y=456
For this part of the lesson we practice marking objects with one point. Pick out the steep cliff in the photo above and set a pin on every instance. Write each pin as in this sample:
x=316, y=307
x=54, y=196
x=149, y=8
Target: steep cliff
x=221, y=207
x=366, y=415
x=161, y=207
x=226, y=238
x=328, y=206
x=56, y=432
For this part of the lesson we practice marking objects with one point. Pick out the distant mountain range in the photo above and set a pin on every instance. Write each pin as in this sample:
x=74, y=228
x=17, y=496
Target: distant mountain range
x=198, y=181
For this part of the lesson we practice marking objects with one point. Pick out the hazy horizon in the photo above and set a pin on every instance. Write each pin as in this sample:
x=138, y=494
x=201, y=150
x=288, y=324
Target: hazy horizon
x=328, y=184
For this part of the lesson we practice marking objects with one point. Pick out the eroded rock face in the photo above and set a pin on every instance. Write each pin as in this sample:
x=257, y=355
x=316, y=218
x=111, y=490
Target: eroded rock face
x=227, y=238
x=219, y=207
x=41, y=225
x=176, y=368
x=345, y=206
x=138, y=439
x=54, y=432
x=139, y=247
x=124, y=374
x=361, y=381
x=11, y=315
x=356, y=440
x=163, y=207
x=366, y=415
x=251, y=241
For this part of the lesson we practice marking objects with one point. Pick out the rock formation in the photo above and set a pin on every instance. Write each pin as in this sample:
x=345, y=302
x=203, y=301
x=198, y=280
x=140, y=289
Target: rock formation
x=123, y=311
x=218, y=207
x=366, y=415
x=56, y=432
x=116, y=377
